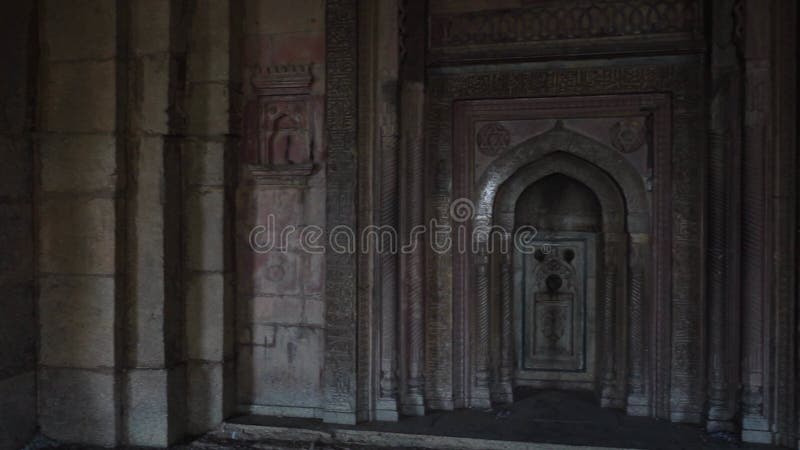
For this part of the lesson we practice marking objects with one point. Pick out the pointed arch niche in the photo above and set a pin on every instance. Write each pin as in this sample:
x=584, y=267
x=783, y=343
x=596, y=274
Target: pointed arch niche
x=583, y=311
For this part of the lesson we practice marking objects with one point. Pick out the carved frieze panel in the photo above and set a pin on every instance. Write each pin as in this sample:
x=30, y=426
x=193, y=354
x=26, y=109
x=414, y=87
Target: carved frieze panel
x=550, y=27
x=279, y=123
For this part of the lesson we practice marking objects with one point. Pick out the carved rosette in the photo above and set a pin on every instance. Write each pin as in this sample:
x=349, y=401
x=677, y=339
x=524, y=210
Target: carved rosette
x=628, y=135
x=492, y=139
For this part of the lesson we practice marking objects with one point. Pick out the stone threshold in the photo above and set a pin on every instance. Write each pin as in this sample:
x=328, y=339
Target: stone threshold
x=241, y=433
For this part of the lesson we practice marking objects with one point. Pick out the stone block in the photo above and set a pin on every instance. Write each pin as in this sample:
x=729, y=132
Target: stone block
x=314, y=313
x=209, y=59
x=76, y=236
x=94, y=157
x=313, y=277
x=275, y=16
x=150, y=94
x=17, y=167
x=204, y=163
x=205, y=391
x=18, y=330
x=76, y=317
x=78, y=406
x=16, y=240
x=280, y=310
x=204, y=232
x=146, y=259
x=79, y=97
x=80, y=29
x=150, y=27
x=274, y=273
x=147, y=407
x=205, y=316
x=208, y=105
x=17, y=410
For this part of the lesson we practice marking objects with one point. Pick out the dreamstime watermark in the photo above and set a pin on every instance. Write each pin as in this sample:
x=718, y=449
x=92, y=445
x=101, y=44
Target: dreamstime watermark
x=457, y=234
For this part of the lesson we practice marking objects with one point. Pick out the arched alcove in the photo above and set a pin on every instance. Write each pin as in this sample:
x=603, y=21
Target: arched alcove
x=559, y=203
x=592, y=221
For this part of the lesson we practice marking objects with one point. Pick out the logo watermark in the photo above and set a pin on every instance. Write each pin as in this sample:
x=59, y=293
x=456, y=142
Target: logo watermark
x=457, y=234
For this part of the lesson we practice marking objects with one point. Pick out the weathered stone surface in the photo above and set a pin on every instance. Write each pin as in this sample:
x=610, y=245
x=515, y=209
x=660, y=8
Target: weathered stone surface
x=15, y=172
x=150, y=26
x=17, y=330
x=204, y=162
x=204, y=230
x=92, y=156
x=146, y=259
x=279, y=310
x=205, y=312
x=150, y=91
x=79, y=97
x=83, y=29
x=17, y=410
x=288, y=365
x=274, y=16
x=79, y=406
x=16, y=240
x=76, y=316
x=77, y=236
x=147, y=407
x=204, y=396
x=208, y=104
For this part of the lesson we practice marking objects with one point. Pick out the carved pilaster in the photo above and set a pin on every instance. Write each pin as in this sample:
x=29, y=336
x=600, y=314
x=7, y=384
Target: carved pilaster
x=723, y=150
x=505, y=388
x=755, y=264
x=339, y=382
x=638, y=402
x=412, y=261
x=612, y=395
x=480, y=392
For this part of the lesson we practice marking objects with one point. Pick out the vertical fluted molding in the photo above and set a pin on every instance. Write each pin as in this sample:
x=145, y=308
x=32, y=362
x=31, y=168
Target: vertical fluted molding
x=480, y=394
x=412, y=98
x=638, y=403
x=755, y=426
x=505, y=393
x=723, y=146
x=609, y=287
x=386, y=48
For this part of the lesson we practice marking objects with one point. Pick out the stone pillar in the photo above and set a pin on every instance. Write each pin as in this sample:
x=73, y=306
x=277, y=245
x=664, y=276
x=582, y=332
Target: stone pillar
x=378, y=217
x=755, y=264
x=80, y=149
x=206, y=259
x=154, y=387
x=723, y=152
x=412, y=269
x=412, y=213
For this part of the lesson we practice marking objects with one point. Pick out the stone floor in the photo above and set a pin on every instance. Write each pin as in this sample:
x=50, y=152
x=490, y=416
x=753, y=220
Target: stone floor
x=548, y=417
x=544, y=417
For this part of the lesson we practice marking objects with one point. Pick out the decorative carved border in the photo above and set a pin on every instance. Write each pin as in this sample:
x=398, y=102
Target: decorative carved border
x=341, y=83
x=567, y=27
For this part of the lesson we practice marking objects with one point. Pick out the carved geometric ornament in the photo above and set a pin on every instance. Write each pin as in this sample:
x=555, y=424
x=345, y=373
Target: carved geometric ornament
x=493, y=138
